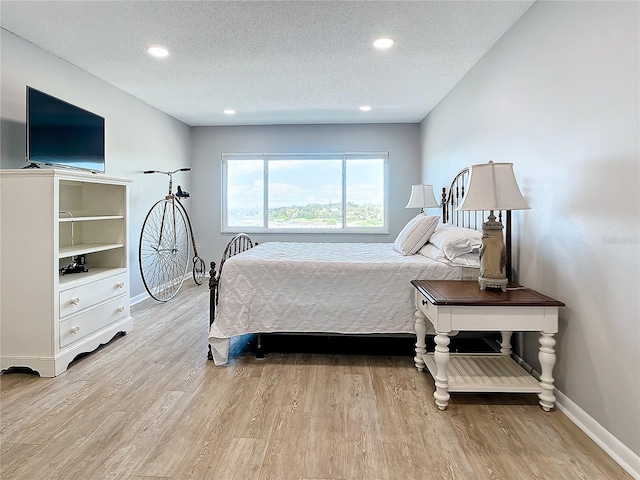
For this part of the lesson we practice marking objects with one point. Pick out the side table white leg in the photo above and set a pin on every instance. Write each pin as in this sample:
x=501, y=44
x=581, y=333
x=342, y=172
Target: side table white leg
x=547, y=358
x=441, y=358
x=421, y=344
x=505, y=345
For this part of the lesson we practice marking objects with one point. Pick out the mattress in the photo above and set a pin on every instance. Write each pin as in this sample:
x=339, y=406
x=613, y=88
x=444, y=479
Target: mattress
x=346, y=288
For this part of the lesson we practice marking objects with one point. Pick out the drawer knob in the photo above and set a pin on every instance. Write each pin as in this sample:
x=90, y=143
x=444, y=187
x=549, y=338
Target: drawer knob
x=120, y=285
x=75, y=330
x=120, y=309
x=75, y=301
x=424, y=302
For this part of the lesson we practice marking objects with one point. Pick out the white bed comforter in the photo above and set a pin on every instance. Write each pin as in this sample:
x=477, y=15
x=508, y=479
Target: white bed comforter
x=352, y=288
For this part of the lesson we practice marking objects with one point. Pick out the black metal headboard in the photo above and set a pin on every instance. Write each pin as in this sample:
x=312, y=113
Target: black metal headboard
x=452, y=197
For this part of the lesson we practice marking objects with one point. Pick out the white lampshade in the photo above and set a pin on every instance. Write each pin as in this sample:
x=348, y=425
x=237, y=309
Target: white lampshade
x=422, y=196
x=492, y=186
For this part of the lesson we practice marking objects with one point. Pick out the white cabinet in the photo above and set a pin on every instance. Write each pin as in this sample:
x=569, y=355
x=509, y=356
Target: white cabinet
x=48, y=219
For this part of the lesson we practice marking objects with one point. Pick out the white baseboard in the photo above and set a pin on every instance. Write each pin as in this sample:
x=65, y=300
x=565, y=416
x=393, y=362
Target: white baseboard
x=622, y=454
x=144, y=295
x=139, y=298
x=617, y=450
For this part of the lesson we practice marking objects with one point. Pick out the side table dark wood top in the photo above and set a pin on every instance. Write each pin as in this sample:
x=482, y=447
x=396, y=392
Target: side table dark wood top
x=455, y=292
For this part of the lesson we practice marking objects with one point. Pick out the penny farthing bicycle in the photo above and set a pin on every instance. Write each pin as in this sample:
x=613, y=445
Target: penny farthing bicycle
x=166, y=241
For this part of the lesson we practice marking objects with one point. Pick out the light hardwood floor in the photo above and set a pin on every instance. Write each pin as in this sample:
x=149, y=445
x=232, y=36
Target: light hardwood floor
x=150, y=406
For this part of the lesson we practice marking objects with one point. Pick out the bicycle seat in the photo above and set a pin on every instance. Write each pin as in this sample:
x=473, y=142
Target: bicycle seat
x=181, y=193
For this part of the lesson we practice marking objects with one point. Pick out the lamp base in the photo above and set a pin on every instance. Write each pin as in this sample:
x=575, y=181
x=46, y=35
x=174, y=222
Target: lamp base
x=500, y=283
x=492, y=256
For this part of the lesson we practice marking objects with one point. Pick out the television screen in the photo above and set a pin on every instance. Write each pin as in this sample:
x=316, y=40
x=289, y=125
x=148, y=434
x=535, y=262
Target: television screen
x=63, y=135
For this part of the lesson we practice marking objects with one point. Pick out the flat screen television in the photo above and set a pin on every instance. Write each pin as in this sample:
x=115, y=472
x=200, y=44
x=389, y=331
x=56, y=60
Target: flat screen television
x=62, y=135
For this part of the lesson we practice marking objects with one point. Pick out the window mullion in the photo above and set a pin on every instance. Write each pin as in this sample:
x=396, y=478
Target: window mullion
x=344, y=192
x=265, y=192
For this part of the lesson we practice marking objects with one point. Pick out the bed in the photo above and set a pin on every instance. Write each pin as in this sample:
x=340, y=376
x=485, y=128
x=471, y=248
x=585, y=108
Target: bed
x=335, y=288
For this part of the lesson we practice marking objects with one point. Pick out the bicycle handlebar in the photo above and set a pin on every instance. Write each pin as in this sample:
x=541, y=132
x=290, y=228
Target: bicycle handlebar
x=186, y=169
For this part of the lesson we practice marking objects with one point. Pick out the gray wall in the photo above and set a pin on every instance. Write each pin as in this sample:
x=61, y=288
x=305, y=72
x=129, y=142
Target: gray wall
x=558, y=97
x=209, y=143
x=138, y=137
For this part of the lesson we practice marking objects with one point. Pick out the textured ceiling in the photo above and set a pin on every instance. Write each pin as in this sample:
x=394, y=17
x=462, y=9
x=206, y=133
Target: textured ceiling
x=273, y=62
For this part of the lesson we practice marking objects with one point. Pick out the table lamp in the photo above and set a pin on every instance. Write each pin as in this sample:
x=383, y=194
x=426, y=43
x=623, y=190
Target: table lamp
x=422, y=197
x=492, y=186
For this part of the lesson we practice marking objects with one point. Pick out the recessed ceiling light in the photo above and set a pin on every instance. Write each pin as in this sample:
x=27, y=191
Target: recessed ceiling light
x=383, y=43
x=365, y=108
x=158, y=51
x=229, y=111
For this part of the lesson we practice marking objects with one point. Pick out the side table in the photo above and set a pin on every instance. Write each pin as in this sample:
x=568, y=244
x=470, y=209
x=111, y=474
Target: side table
x=461, y=305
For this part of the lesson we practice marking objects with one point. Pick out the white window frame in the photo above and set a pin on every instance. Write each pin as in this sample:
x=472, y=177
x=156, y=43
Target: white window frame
x=345, y=157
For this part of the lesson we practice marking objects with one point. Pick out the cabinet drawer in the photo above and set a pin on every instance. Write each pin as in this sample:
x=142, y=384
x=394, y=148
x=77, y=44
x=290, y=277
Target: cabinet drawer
x=424, y=305
x=79, y=326
x=74, y=300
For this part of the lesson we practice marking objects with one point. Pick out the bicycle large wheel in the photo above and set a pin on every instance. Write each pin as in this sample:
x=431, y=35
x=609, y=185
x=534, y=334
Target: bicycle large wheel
x=199, y=270
x=164, y=250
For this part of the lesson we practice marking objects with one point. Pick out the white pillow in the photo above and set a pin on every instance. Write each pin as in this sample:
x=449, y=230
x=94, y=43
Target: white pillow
x=415, y=234
x=433, y=252
x=456, y=241
x=466, y=260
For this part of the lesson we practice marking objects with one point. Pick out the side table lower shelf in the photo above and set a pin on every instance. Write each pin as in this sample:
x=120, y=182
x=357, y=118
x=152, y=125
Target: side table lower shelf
x=485, y=373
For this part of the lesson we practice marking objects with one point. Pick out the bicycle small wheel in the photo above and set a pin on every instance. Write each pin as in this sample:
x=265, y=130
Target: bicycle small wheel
x=164, y=250
x=199, y=270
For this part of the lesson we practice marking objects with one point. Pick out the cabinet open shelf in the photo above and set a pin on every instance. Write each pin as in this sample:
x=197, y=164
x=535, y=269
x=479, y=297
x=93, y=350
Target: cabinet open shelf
x=85, y=248
x=71, y=280
x=89, y=219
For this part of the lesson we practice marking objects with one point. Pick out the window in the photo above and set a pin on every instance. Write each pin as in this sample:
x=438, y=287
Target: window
x=309, y=193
